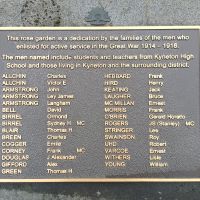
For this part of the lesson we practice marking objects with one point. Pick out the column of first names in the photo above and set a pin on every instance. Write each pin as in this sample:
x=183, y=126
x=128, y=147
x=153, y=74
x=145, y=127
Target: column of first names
x=60, y=127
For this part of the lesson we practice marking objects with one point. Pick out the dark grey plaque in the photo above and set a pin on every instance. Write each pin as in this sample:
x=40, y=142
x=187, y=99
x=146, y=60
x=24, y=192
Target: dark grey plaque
x=99, y=104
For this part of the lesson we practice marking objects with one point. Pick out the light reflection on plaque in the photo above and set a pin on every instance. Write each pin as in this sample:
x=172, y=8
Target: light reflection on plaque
x=99, y=104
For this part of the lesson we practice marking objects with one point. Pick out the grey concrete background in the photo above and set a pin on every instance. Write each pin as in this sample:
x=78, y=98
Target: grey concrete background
x=124, y=13
x=121, y=12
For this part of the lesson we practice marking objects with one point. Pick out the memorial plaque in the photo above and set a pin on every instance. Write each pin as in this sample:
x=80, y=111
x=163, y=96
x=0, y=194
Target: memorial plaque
x=99, y=104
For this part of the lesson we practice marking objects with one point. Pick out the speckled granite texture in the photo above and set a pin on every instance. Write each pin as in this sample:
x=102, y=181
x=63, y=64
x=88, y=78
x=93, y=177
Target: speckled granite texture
x=100, y=191
x=121, y=13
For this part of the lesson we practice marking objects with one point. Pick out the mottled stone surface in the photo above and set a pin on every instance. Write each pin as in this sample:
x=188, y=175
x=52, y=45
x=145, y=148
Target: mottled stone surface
x=10, y=12
x=173, y=12
x=41, y=13
x=100, y=191
x=121, y=12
